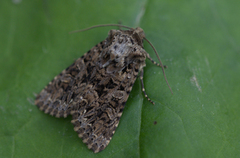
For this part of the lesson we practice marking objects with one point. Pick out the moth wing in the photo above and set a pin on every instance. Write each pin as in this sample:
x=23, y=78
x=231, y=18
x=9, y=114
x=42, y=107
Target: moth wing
x=96, y=122
x=64, y=92
x=56, y=98
x=97, y=118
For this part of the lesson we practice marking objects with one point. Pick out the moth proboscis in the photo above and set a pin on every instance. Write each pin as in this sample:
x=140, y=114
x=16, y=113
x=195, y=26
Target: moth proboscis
x=95, y=88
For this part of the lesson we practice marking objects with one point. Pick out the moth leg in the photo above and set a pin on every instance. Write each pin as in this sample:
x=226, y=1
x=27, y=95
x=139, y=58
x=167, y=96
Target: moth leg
x=154, y=62
x=143, y=89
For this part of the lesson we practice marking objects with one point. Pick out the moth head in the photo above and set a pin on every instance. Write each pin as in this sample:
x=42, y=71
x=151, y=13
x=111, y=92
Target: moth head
x=139, y=31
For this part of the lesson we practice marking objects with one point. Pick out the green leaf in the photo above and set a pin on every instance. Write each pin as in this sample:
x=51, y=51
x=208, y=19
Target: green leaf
x=199, y=41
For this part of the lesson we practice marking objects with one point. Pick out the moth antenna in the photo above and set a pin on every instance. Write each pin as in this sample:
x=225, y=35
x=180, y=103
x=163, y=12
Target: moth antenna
x=160, y=63
x=103, y=25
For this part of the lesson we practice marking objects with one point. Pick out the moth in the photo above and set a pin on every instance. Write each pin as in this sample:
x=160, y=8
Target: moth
x=95, y=88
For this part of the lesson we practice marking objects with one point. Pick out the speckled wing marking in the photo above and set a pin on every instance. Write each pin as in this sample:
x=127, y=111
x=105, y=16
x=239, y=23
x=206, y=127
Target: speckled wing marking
x=95, y=88
x=60, y=96
x=97, y=119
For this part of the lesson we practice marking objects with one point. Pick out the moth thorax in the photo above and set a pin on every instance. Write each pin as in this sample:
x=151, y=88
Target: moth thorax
x=120, y=48
x=118, y=53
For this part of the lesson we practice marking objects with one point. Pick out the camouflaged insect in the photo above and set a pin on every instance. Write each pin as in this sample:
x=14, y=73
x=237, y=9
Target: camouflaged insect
x=95, y=88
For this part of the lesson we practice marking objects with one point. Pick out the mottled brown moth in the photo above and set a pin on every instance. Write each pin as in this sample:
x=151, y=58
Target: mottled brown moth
x=95, y=88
